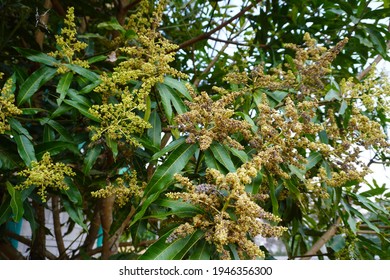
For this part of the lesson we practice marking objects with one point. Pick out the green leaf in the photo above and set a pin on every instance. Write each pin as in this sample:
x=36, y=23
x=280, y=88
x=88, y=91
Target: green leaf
x=377, y=39
x=332, y=94
x=75, y=212
x=170, y=147
x=343, y=107
x=113, y=145
x=277, y=95
x=80, y=99
x=16, y=202
x=55, y=147
x=82, y=109
x=8, y=155
x=210, y=160
x=88, y=74
x=25, y=148
x=165, y=100
x=36, y=56
x=177, y=103
x=178, y=85
x=5, y=210
x=176, y=250
x=154, y=133
x=59, y=128
x=96, y=58
x=337, y=243
x=72, y=192
x=222, y=156
x=63, y=86
x=62, y=109
x=18, y=127
x=179, y=208
x=163, y=176
x=201, y=251
x=366, y=220
x=91, y=158
x=113, y=24
x=29, y=215
x=274, y=199
x=312, y=160
x=242, y=155
x=33, y=83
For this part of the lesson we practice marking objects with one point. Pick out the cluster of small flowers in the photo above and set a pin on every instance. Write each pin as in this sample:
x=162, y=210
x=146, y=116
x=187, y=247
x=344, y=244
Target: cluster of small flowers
x=7, y=107
x=147, y=62
x=209, y=121
x=45, y=174
x=124, y=188
x=68, y=44
x=232, y=216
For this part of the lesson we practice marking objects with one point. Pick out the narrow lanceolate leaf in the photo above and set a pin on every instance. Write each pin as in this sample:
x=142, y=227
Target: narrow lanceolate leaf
x=33, y=83
x=5, y=210
x=55, y=147
x=75, y=212
x=163, y=176
x=37, y=56
x=59, y=128
x=154, y=133
x=202, y=251
x=176, y=250
x=222, y=156
x=175, y=162
x=82, y=109
x=165, y=96
x=179, y=208
x=25, y=148
x=172, y=146
x=178, y=85
x=63, y=86
x=18, y=127
x=16, y=202
x=312, y=160
x=88, y=74
x=91, y=158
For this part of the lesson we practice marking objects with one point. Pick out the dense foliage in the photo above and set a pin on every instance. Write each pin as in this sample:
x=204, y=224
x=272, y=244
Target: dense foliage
x=194, y=129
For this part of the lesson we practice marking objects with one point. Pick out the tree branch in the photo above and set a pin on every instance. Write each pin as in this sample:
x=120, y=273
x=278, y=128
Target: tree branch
x=322, y=240
x=211, y=64
x=57, y=227
x=377, y=59
x=219, y=27
x=106, y=220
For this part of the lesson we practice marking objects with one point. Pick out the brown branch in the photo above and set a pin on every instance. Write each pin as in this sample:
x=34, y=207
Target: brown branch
x=8, y=252
x=211, y=64
x=58, y=8
x=123, y=8
x=322, y=240
x=377, y=59
x=114, y=240
x=57, y=227
x=219, y=27
x=106, y=220
x=38, y=245
x=228, y=41
x=27, y=242
x=94, y=228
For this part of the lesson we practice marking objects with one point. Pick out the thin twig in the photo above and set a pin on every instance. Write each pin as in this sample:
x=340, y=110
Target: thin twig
x=229, y=41
x=211, y=64
x=219, y=27
x=377, y=59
